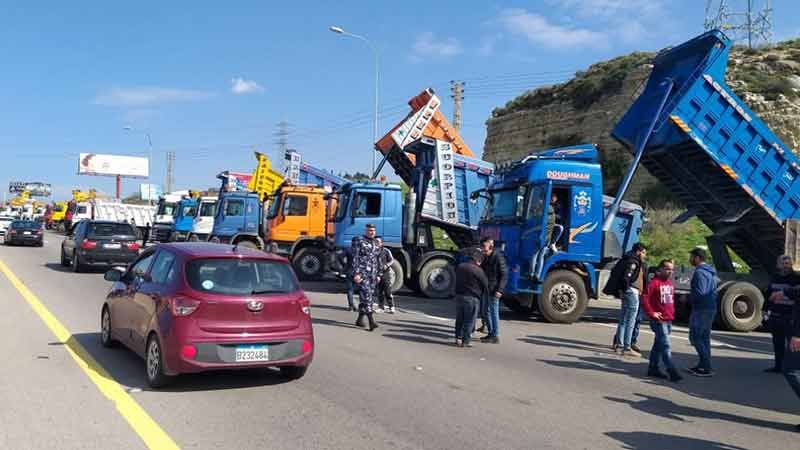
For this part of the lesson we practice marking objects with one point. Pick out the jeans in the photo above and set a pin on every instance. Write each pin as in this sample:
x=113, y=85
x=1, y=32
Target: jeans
x=493, y=315
x=662, y=350
x=700, y=322
x=385, y=296
x=627, y=317
x=791, y=370
x=350, y=289
x=781, y=329
x=466, y=312
x=635, y=336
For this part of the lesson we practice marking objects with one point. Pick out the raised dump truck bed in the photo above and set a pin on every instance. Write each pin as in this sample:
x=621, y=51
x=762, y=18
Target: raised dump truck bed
x=717, y=156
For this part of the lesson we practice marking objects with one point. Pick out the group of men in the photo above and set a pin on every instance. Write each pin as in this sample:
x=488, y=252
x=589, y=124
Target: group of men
x=656, y=300
x=367, y=267
x=480, y=281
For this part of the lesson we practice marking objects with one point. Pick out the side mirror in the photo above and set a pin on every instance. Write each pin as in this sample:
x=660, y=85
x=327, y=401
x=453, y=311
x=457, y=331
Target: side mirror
x=113, y=275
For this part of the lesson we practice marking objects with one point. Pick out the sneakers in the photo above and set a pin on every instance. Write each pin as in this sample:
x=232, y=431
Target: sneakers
x=391, y=310
x=459, y=343
x=700, y=372
x=636, y=348
x=654, y=372
x=674, y=376
x=490, y=340
x=482, y=329
x=630, y=353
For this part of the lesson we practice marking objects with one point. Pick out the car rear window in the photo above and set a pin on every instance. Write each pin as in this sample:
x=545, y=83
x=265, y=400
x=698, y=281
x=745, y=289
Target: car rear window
x=26, y=225
x=240, y=276
x=100, y=230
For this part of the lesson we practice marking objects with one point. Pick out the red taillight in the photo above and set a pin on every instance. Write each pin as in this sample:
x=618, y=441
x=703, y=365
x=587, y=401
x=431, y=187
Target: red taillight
x=133, y=246
x=88, y=245
x=307, y=346
x=189, y=351
x=305, y=306
x=183, y=306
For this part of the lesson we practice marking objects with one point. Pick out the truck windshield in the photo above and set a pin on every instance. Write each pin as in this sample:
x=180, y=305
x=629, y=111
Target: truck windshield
x=505, y=204
x=208, y=209
x=189, y=211
x=166, y=209
x=341, y=206
x=274, y=207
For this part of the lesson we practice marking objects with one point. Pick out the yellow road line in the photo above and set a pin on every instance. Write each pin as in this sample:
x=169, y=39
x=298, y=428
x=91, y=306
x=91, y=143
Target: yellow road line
x=147, y=428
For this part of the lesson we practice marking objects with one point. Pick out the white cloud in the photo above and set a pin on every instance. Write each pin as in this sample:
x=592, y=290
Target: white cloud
x=539, y=31
x=147, y=95
x=428, y=45
x=241, y=86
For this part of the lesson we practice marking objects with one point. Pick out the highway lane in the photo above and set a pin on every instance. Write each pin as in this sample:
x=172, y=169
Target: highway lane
x=402, y=386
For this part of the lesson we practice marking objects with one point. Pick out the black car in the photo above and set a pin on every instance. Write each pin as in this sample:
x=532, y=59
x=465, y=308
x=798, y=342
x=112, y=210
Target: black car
x=24, y=232
x=92, y=243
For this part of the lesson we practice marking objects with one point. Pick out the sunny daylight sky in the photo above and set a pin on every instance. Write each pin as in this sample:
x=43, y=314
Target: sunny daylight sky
x=210, y=80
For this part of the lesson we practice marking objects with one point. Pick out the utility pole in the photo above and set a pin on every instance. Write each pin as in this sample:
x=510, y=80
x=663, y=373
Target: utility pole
x=282, y=137
x=753, y=24
x=170, y=171
x=457, y=94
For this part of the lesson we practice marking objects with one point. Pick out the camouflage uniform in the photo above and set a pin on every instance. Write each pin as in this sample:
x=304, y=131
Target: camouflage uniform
x=365, y=253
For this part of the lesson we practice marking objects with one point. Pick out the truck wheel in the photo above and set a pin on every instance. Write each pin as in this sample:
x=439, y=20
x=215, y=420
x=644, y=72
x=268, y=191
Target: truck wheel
x=397, y=281
x=740, y=307
x=563, y=298
x=309, y=264
x=437, y=279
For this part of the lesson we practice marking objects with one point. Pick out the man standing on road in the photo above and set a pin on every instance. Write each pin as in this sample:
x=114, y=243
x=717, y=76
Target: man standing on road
x=471, y=286
x=791, y=364
x=365, y=253
x=385, y=297
x=626, y=282
x=778, y=309
x=496, y=270
x=659, y=305
x=703, y=300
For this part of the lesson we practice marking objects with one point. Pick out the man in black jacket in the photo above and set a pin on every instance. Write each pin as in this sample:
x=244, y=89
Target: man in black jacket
x=496, y=270
x=791, y=363
x=471, y=286
x=626, y=282
x=778, y=308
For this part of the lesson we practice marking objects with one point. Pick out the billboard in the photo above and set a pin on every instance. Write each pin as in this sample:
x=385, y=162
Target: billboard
x=112, y=165
x=149, y=191
x=34, y=188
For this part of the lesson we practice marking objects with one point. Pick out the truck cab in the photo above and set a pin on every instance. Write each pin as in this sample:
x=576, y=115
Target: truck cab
x=546, y=213
x=163, y=220
x=203, y=222
x=183, y=219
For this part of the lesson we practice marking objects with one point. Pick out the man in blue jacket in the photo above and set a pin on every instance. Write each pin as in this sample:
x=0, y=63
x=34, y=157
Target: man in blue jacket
x=703, y=300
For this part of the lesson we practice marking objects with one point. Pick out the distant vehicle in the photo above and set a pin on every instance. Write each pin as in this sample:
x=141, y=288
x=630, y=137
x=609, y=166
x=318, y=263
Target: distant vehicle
x=192, y=307
x=5, y=221
x=92, y=243
x=24, y=232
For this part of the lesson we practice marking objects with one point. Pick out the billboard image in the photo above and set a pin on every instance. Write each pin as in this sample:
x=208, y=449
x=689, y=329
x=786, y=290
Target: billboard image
x=34, y=188
x=112, y=165
x=149, y=191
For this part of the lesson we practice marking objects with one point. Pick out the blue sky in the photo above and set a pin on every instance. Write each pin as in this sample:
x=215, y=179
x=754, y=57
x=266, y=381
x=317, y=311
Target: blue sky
x=210, y=80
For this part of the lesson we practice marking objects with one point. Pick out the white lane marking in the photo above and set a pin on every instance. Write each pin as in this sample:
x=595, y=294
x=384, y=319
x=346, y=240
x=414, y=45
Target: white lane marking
x=713, y=342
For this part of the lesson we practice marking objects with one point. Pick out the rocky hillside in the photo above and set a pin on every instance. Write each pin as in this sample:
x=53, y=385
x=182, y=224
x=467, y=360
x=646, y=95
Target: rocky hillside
x=585, y=109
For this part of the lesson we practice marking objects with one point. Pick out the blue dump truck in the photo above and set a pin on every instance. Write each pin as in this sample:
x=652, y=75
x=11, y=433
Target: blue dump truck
x=183, y=218
x=546, y=213
x=725, y=165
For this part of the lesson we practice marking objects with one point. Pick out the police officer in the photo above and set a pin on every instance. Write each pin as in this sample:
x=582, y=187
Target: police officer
x=365, y=251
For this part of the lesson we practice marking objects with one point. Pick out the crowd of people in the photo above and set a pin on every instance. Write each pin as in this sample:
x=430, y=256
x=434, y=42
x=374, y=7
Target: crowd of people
x=482, y=277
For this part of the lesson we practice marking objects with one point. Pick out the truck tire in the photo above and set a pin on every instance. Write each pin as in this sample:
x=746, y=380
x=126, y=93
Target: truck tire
x=437, y=279
x=740, y=307
x=309, y=264
x=399, y=277
x=563, y=298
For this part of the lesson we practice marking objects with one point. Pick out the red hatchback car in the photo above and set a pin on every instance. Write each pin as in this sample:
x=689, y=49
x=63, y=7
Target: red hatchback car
x=191, y=307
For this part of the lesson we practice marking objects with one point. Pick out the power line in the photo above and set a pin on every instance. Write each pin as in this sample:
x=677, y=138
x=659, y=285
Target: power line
x=748, y=23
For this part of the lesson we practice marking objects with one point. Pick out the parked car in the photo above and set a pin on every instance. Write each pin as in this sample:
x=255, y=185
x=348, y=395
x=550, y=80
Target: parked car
x=5, y=221
x=192, y=307
x=92, y=243
x=24, y=232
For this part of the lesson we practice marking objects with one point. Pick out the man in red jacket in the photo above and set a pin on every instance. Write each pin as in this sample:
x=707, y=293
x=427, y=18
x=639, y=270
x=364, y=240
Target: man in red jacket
x=659, y=305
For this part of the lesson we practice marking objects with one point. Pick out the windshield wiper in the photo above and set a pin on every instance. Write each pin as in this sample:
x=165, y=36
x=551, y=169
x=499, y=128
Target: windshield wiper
x=266, y=291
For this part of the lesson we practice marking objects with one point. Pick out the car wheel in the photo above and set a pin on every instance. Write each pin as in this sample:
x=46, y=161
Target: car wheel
x=105, y=329
x=64, y=260
x=563, y=298
x=76, y=262
x=293, y=372
x=309, y=264
x=154, y=364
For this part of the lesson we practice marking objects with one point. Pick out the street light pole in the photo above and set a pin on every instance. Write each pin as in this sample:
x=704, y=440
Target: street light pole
x=339, y=30
x=149, y=163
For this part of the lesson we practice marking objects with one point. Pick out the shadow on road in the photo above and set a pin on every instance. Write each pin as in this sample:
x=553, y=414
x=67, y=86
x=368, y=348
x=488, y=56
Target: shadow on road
x=738, y=380
x=127, y=369
x=57, y=267
x=670, y=410
x=641, y=440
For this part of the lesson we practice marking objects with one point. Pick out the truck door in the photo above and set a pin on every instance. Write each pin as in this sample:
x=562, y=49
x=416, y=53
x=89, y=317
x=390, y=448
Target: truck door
x=534, y=228
x=231, y=217
x=293, y=220
x=584, y=214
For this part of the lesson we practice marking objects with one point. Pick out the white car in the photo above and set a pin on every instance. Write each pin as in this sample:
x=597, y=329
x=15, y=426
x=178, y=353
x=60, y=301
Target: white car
x=4, y=222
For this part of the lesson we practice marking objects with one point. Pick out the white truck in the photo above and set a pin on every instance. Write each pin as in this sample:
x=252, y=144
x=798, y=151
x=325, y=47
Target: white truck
x=164, y=216
x=138, y=215
x=204, y=220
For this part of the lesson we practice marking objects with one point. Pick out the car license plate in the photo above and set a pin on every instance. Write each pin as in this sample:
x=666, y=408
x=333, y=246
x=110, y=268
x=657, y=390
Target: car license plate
x=113, y=246
x=26, y=232
x=247, y=353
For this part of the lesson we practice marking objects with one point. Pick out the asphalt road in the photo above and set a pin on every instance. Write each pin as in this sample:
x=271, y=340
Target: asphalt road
x=403, y=386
